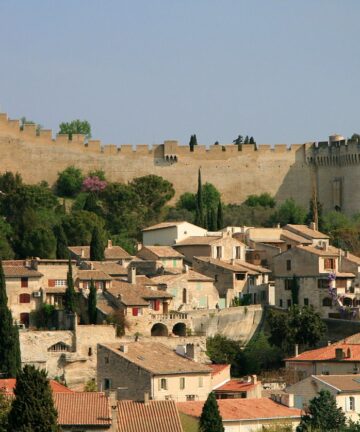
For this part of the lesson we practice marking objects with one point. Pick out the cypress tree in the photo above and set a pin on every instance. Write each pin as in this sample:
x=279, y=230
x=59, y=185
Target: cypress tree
x=33, y=407
x=92, y=311
x=192, y=142
x=246, y=140
x=91, y=203
x=10, y=359
x=213, y=225
x=220, y=221
x=210, y=419
x=199, y=216
x=62, y=251
x=70, y=294
x=96, y=246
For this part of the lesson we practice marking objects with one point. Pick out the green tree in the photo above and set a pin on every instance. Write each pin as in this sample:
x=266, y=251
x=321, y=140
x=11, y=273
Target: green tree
x=239, y=140
x=262, y=200
x=10, y=182
x=10, y=360
x=323, y=415
x=70, y=294
x=33, y=407
x=5, y=405
x=92, y=311
x=91, y=204
x=79, y=226
x=221, y=349
x=210, y=196
x=187, y=201
x=24, y=121
x=62, y=251
x=69, y=182
x=192, y=142
x=6, y=232
x=220, y=217
x=96, y=246
x=199, y=217
x=252, y=141
x=289, y=213
x=39, y=242
x=210, y=419
x=75, y=127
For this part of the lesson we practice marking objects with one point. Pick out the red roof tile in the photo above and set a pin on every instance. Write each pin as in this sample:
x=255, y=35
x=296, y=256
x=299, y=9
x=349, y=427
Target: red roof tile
x=217, y=368
x=243, y=409
x=328, y=353
x=7, y=386
x=83, y=409
x=236, y=386
x=155, y=416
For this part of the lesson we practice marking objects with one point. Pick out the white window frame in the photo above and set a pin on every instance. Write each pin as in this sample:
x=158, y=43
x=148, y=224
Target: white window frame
x=60, y=282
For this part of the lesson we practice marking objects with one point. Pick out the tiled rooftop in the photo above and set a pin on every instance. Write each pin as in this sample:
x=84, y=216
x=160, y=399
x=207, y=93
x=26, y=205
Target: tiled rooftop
x=163, y=225
x=343, y=383
x=135, y=294
x=163, y=251
x=306, y=231
x=20, y=271
x=7, y=386
x=328, y=353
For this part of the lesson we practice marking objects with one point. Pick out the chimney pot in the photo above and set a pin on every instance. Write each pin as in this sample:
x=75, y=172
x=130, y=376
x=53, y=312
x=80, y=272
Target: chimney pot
x=253, y=379
x=296, y=350
x=124, y=348
x=312, y=226
x=146, y=398
x=109, y=244
x=132, y=275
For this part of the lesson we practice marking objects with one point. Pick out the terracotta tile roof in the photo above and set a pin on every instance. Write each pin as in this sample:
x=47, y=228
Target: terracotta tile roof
x=82, y=409
x=109, y=267
x=239, y=266
x=330, y=251
x=306, y=231
x=198, y=240
x=17, y=271
x=162, y=251
x=105, y=306
x=343, y=383
x=243, y=409
x=328, y=353
x=92, y=274
x=111, y=253
x=80, y=251
x=155, y=416
x=236, y=385
x=191, y=275
x=295, y=237
x=217, y=368
x=158, y=359
x=9, y=263
x=350, y=257
x=163, y=225
x=7, y=386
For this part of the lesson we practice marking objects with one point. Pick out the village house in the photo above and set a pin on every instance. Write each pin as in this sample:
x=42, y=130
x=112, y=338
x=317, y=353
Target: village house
x=23, y=289
x=235, y=278
x=249, y=387
x=169, y=233
x=340, y=358
x=111, y=253
x=222, y=247
x=306, y=270
x=247, y=415
x=344, y=388
x=190, y=290
x=170, y=259
x=140, y=368
x=101, y=280
x=112, y=268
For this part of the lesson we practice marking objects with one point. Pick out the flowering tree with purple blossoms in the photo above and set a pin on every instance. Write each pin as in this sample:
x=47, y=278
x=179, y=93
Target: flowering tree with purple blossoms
x=93, y=184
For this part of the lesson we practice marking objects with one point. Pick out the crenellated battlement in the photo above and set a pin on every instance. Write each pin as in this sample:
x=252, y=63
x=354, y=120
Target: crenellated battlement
x=341, y=153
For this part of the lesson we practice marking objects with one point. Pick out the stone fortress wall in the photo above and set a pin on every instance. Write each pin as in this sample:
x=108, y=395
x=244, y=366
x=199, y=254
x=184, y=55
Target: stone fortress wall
x=283, y=171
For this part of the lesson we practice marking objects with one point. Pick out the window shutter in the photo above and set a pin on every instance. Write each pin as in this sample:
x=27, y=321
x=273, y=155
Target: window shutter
x=157, y=305
x=51, y=283
x=135, y=311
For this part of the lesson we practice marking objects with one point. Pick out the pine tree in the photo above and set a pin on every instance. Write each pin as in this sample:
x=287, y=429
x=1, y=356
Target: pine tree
x=210, y=419
x=192, y=142
x=70, y=294
x=220, y=221
x=33, y=407
x=252, y=141
x=62, y=251
x=96, y=246
x=92, y=311
x=199, y=216
x=246, y=140
x=10, y=359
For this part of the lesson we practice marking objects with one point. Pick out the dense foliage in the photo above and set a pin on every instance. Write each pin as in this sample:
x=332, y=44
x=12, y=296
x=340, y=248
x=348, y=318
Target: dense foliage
x=210, y=419
x=75, y=127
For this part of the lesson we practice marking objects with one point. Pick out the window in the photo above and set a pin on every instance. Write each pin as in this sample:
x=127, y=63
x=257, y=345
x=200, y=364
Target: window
x=201, y=381
x=287, y=284
x=107, y=383
x=327, y=302
x=24, y=282
x=60, y=282
x=24, y=298
x=136, y=311
x=25, y=318
x=329, y=263
x=288, y=246
x=351, y=403
x=106, y=360
x=190, y=397
x=216, y=278
x=239, y=276
x=218, y=252
x=90, y=352
x=323, y=283
x=262, y=295
x=288, y=265
x=237, y=252
x=341, y=283
x=198, y=286
x=281, y=303
x=174, y=263
x=85, y=284
x=99, y=285
x=163, y=384
x=289, y=303
x=59, y=347
x=306, y=302
x=182, y=383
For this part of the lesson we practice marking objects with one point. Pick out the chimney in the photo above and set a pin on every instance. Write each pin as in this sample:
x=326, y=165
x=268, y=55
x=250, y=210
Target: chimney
x=312, y=226
x=296, y=350
x=132, y=275
x=109, y=244
x=123, y=348
x=146, y=398
x=253, y=379
x=186, y=268
x=138, y=246
x=278, y=225
x=232, y=261
x=346, y=254
x=82, y=254
x=339, y=354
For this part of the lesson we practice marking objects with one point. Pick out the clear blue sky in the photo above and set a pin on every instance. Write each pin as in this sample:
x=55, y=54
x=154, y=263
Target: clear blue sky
x=142, y=71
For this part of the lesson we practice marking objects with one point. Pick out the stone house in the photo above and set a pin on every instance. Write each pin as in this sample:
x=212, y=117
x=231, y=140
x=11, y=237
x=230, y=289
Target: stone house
x=309, y=267
x=342, y=358
x=190, y=290
x=223, y=247
x=102, y=280
x=234, y=278
x=140, y=368
x=170, y=258
x=23, y=289
x=111, y=253
x=247, y=415
x=344, y=388
x=249, y=388
x=112, y=268
x=169, y=233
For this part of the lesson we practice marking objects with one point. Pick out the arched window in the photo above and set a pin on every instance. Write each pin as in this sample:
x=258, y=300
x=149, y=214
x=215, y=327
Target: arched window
x=24, y=298
x=59, y=347
x=327, y=302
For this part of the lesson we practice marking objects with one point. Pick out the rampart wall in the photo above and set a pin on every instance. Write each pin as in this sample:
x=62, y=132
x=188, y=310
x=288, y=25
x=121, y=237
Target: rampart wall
x=283, y=171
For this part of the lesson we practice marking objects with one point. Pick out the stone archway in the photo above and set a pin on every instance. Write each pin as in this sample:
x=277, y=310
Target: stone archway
x=179, y=329
x=159, y=329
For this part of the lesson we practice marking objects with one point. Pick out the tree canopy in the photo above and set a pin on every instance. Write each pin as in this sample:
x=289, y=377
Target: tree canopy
x=75, y=127
x=210, y=419
x=69, y=182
